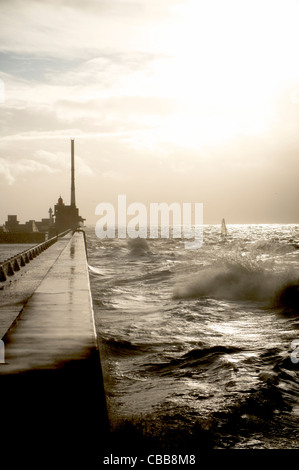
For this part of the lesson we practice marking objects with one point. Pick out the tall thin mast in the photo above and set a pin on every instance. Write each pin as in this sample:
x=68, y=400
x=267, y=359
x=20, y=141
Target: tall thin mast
x=73, y=201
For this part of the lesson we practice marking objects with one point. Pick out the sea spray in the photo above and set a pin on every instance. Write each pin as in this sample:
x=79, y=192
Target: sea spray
x=138, y=246
x=236, y=278
x=199, y=372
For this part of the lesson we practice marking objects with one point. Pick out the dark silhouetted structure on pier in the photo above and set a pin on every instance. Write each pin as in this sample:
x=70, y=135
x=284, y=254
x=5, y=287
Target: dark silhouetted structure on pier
x=65, y=218
x=30, y=232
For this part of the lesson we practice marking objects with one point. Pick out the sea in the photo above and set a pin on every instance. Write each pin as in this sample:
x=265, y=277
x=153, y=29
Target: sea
x=8, y=250
x=200, y=347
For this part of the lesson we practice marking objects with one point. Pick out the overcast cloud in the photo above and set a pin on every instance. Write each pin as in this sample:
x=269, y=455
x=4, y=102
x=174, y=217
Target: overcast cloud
x=174, y=101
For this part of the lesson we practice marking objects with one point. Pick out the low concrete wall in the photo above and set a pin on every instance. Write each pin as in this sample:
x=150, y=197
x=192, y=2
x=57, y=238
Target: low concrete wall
x=52, y=380
x=12, y=265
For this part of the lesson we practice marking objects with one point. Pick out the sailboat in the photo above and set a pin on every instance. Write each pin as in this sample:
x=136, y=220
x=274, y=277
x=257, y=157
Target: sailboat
x=223, y=229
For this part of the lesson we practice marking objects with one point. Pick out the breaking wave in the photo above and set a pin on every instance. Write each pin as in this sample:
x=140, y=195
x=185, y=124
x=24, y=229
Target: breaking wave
x=204, y=357
x=272, y=247
x=198, y=345
x=94, y=270
x=138, y=246
x=240, y=281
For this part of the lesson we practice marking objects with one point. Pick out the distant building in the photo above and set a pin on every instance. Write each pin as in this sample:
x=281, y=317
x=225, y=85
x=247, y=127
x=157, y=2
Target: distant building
x=64, y=218
x=46, y=224
x=14, y=232
x=13, y=225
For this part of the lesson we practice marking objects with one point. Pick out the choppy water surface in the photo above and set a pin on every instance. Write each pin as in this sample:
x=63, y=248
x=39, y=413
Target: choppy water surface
x=7, y=250
x=197, y=343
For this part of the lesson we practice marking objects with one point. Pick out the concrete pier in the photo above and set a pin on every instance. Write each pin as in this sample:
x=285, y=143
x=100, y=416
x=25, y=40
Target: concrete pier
x=51, y=383
x=16, y=290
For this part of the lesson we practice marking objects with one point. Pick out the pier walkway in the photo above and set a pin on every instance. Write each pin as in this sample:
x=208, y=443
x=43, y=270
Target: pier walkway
x=51, y=385
x=17, y=289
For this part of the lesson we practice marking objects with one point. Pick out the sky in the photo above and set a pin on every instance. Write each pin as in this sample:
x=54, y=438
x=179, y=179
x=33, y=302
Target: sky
x=168, y=101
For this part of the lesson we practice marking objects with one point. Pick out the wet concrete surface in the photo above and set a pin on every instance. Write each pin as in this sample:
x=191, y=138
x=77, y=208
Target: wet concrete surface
x=16, y=291
x=51, y=382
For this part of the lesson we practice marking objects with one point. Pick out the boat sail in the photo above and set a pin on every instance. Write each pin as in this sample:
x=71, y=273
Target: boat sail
x=223, y=229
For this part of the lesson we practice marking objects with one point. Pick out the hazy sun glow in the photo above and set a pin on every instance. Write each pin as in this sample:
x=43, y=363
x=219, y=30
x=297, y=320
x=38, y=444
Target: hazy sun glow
x=226, y=68
x=168, y=100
